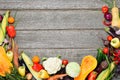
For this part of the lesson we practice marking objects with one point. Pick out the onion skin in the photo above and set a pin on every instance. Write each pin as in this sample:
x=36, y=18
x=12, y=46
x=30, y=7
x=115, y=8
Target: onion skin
x=29, y=76
x=106, y=23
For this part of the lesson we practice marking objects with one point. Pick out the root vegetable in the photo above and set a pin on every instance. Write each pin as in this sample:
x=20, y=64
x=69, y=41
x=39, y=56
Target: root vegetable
x=15, y=54
x=29, y=76
x=56, y=77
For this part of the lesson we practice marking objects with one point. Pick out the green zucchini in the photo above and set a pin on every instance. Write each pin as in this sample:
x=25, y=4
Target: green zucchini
x=5, y=22
x=3, y=27
x=29, y=64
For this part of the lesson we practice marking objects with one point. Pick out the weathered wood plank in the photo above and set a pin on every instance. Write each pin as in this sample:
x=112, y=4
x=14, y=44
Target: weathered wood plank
x=50, y=4
x=71, y=19
x=60, y=39
x=70, y=54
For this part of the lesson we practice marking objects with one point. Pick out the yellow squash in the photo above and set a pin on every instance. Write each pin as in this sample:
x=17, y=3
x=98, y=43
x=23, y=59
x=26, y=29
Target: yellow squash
x=88, y=64
x=115, y=16
x=5, y=64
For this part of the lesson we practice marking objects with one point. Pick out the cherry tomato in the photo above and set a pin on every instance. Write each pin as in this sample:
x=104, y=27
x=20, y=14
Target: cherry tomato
x=92, y=75
x=11, y=20
x=64, y=62
x=105, y=9
x=105, y=50
x=35, y=59
x=109, y=38
x=37, y=67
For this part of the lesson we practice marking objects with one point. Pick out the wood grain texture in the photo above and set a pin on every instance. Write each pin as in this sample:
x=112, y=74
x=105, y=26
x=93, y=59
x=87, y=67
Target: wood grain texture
x=50, y=4
x=70, y=54
x=60, y=39
x=71, y=19
x=70, y=28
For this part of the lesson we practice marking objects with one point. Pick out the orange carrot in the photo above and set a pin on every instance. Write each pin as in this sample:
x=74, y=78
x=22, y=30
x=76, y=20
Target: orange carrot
x=15, y=55
x=57, y=76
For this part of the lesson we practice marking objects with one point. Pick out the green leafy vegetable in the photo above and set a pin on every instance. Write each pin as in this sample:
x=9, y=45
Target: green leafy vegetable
x=100, y=56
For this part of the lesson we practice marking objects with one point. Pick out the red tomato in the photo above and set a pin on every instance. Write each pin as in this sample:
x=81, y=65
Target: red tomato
x=64, y=62
x=105, y=9
x=109, y=38
x=92, y=75
x=10, y=28
x=37, y=67
x=12, y=34
x=11, y=31
x=105, y=50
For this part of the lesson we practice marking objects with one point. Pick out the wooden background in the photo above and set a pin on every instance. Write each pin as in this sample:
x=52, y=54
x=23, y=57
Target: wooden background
x=70, y=28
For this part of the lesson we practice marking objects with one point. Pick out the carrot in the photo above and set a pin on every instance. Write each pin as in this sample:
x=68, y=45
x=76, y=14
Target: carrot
x=15, y=54
x=56, y=77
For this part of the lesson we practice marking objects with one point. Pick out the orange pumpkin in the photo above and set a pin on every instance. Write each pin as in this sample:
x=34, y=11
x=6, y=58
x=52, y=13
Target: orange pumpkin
x=5, y=64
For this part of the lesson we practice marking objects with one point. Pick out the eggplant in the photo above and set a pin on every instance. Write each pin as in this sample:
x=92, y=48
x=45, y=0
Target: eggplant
x=111, y=31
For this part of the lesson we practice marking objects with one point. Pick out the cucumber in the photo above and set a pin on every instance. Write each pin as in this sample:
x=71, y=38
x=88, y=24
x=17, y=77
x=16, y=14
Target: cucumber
x=29, y=64
x=5, y=22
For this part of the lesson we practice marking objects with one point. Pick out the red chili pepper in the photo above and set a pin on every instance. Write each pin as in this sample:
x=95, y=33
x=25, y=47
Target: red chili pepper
x=106, y=23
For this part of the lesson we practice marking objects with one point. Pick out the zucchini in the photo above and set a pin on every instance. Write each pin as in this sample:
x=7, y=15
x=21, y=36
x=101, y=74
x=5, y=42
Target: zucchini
x=5, y=22
x=1, y=36
x=3, y=27
x=29, y=64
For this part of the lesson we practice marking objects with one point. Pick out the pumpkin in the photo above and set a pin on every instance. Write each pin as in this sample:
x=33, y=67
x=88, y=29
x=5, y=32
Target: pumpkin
x=5, y=64
x=88, y=64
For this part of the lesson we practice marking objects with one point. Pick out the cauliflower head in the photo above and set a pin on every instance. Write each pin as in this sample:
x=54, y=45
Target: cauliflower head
x=52, y=65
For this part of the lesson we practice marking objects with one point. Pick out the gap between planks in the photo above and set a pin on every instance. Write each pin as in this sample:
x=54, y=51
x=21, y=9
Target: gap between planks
x=70, y=29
